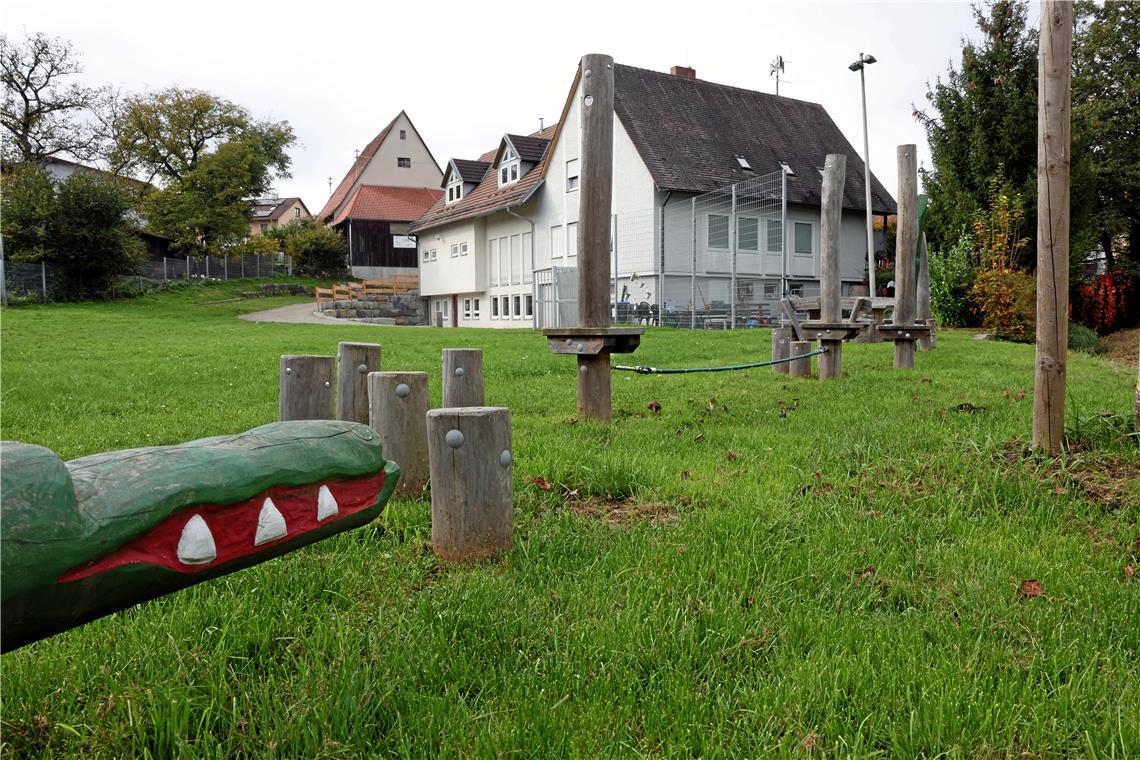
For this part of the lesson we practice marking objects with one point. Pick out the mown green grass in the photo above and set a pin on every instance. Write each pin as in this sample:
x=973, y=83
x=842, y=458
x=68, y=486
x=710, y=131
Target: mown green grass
x=765, y=568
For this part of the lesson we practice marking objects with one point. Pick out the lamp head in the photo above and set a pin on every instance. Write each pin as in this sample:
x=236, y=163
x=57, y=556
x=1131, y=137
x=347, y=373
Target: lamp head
x=863, y=60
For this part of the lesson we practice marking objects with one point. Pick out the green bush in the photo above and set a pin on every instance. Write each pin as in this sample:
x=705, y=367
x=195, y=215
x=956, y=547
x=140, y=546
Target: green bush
x=317, y=250
x=1082, y=338
x=1007, y=301
x=951, y=276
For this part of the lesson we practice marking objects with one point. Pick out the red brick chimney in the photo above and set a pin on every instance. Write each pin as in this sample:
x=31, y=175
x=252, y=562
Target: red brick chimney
x=684, y=72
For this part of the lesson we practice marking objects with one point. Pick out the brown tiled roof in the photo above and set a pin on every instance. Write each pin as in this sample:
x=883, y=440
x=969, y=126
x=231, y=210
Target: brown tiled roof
x=689, y=132
x=488, y=197
x=470, y=171
x=388, y=204
x=274, y=208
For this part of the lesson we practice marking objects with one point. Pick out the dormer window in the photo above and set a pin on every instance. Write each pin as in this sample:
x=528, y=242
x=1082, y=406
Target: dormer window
x=508, y=166
x=743, y=162
x=454, y=187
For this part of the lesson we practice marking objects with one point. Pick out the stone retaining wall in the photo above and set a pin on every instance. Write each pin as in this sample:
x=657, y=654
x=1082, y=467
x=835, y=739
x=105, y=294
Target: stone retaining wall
x=404, y=309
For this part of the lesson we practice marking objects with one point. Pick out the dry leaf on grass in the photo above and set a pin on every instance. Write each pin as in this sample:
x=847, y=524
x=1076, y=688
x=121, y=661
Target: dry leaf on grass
x=541, y=483
x=654, y=407
x=1030, y=588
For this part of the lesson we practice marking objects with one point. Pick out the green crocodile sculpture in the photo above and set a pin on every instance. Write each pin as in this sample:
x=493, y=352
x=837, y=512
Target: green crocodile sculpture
x=85, y=538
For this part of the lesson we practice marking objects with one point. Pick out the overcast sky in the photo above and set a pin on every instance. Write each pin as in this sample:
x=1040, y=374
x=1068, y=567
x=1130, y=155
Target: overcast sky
x=467, y=72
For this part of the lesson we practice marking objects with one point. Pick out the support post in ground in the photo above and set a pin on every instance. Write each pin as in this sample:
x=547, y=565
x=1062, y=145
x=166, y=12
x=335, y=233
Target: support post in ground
x=831, y=213
x=922, y=306
x=799, y=367
x=781, y=338
x=354, y=362
x=472, y=495
x=398, y=405
x=462, y=377
x=1054, y=84
x=905, y=241
x=306, y=388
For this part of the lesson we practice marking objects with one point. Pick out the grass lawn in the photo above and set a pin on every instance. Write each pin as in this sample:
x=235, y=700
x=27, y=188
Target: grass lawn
x=765, y=567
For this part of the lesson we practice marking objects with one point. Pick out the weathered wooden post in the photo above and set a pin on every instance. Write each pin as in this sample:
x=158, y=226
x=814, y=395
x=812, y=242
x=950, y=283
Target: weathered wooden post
x=306, y=388
x=472, y=495
x=462, y=377
x=800, y=367
x=905, y=241
x=354, y=362
x=781, y=337
x=594, y=340
x=830, y=329
x=398, y=405
x=1054, y=82
x=834, y=174
x=925, y=343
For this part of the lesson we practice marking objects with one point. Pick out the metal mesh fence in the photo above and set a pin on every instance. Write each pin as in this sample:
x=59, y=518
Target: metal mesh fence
x=42, y=281
x=716, y=260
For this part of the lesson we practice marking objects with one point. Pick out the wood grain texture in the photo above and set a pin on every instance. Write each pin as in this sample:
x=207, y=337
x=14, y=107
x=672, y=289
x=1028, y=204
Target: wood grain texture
x=1054, y=86
x=905, y=241
x=799, y=367
x=831, y=363
x=398, y=403
x=306, y=388
x=462, y=377
x=472, y=494
x=831, y=212
x=922, y=304
x=596, y=190
x=354, y=362
x=594, y=387
x=781, y=338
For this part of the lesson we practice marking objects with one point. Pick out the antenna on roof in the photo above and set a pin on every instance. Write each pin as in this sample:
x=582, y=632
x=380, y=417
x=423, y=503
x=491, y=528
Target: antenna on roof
x=776, y=68
x=540, y=126
x=330, y=184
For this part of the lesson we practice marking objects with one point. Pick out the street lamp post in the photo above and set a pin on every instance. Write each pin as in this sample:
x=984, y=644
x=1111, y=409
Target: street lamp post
x=860, y=65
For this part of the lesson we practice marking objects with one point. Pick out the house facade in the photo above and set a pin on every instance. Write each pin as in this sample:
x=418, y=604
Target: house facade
x=694, y=214
x=266, y=213
x=390, y=184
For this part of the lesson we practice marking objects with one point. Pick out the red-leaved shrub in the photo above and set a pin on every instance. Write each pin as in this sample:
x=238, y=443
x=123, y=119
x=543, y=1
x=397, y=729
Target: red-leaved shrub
x=1105, y=302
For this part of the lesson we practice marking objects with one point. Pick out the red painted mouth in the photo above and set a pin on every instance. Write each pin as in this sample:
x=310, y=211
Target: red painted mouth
x=231, y=531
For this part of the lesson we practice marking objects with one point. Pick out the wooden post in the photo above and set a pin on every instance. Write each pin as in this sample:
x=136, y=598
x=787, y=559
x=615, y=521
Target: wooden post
x=831, y=219
x=905, y=241
x=799, y=367
x=472, y=495
x=354, y=362
x=922, y=307
x=1054, y=81
x=306, y=388
x=781, y=337
x=398, y=404
x=462, y=377
x=594, y=207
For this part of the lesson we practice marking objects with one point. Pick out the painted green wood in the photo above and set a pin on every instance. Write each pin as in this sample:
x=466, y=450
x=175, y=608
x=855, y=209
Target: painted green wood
x=57, y=517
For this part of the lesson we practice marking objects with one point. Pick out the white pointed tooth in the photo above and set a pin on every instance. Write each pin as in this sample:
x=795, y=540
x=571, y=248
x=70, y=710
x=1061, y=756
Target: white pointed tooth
x=270, y=524
x=196, y=545
x=326, y=504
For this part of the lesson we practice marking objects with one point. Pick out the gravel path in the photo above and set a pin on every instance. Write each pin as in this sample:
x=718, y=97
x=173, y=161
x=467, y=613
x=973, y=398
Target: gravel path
x=294, y=314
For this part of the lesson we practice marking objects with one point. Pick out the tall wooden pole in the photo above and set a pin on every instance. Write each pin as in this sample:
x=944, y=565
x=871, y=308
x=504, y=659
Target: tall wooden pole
x=1054, y=82
x=834, y=173
x=923, y=306
x=595, y=203
x=905, y=241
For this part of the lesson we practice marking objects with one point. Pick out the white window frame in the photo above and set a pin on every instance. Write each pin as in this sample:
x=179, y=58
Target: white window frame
x=454, y=250
x=454, y=191
x=475, y=308
x=557, y=242
x=727, y=230
x=494, y=307
x=427, y=255
x=529, y=302
x=509, y=169
x=572, y=174
x=434, y=253
x=463, y=249
x=572, y=240
x=466, y=308
x=493, y=262
x=506, y=304
x=516, y=259
x=811, y=239
x=516, y=306
x=740, y=246
x=778, y=226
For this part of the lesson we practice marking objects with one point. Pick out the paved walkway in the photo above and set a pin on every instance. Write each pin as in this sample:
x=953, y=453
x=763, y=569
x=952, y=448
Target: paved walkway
x=294, y=314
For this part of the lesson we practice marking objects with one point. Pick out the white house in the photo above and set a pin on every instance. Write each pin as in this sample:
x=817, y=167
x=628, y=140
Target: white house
x=502, y=242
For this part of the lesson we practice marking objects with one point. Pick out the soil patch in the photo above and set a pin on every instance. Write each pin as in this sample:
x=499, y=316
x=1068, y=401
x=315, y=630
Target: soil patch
x=622, y=513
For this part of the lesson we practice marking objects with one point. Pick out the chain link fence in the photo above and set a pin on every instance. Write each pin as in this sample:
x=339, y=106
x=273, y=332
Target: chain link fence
x=43, y=282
